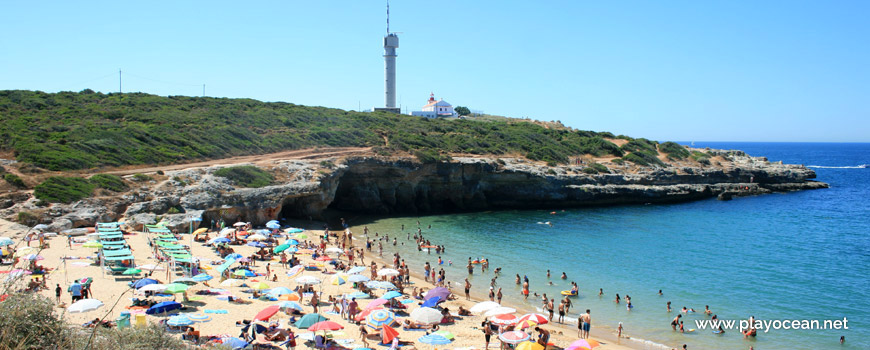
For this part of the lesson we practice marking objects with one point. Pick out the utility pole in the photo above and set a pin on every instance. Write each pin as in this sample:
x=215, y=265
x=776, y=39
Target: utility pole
x=119, y=81
x=203, y=90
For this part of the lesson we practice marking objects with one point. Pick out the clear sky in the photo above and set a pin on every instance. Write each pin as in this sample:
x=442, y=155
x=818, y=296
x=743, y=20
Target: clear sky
x=666, y=70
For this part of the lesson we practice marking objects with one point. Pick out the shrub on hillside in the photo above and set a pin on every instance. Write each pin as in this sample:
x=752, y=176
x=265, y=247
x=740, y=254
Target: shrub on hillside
x=59, y=189
x=643, y=158
x=14, y=180
x=246, y=176
x=141, y=177
x=674, y=150
x=110, y=182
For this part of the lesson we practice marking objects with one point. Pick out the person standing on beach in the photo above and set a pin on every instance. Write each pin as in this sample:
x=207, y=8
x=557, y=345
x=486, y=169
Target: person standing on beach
x=586, y=323
x=562, y=312
x=57, y=292
x=487, y=333
x=550, y=308
x=467, y=289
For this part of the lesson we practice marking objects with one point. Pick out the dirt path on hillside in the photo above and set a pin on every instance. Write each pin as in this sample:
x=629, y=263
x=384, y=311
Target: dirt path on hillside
x=258, y=159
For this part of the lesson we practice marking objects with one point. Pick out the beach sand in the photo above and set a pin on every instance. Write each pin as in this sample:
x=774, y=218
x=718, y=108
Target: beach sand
x=116, y=295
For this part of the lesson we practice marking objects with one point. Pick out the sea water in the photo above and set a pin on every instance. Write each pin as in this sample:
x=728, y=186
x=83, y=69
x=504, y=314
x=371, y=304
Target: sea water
x=790, y=256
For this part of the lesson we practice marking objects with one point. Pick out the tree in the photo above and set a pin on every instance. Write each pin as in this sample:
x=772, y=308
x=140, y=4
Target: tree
x=461, y=110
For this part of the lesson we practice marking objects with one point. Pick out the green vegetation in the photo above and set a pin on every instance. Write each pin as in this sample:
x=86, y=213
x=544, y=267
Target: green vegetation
x=596, y=168
x=27, y=218
x=674, y=150
x=701, y=157
x=246, y=176
x=14, y=180
x=141, y=177
x=68, y=130
x=110, y=182
x=428, y=156
x=643, y=158
x=59, y=189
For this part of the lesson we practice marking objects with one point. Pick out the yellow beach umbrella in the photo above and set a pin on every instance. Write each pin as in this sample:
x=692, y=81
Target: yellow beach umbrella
x=527, y=345
x=260, y=286
x=24, y=251
x=339, y=279
x=200, y=230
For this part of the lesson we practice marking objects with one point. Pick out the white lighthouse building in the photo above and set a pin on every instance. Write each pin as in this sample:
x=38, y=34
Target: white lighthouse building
x=391, y=43
x=435, y=109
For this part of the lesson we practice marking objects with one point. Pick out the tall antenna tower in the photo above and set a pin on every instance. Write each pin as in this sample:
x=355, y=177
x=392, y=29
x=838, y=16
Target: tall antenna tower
x=391, y=43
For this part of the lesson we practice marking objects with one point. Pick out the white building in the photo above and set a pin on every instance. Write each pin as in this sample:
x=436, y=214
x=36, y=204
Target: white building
x=435, y=109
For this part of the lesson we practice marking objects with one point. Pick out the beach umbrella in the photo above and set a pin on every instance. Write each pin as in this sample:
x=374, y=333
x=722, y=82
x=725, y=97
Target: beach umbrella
x=267, y=313
x=291, y=242
x=582, y=344
x=380, y=285
x=258, y=244
x=260, y=286
x=378, y=318
x=185, y=280
x=537, y=318
x=40, y=227
x=219, y=240
x=431, y=302
x=273, y=225
x=199, y=317
x=293, y=230
x=358, y=295
x=155, y=287
x=226, y=231
x=307, y=280
x=390, y=295
x=388, y=334
x=281, y=248
x=257, y=237
x=32, y=257
x=528, y=345
x=278, y=291
x=308, y=320
x=143, y=282
x=355, y=270
x=359, y=317
x=325, y=326
x=5, y=241
x=339, y=280
x=180, y=320
x=244, y=273
x=233, y=256
x=232, y=282
x=175, y=288
x=162, y=307
x=200, y=230
x=290, y=305
x=150, y=267
x=504, y=319
x=445, y=334
x=513, y=337
x=388, y=272
x=92, y=244
x=375, y=303
x=437, y=292
x=334, y=250
x=202, y=277
x=131, y=271
x=234, y=343
x=239, y=224
x=357, y=278
x=84, y=305
x=426, y=315
x=484, y=306
x=290, y=297
x=434, y=339
x=524, y=323
x=500, y=311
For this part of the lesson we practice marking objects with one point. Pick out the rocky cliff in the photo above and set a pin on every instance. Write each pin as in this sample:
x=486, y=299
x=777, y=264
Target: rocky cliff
x=374, y=185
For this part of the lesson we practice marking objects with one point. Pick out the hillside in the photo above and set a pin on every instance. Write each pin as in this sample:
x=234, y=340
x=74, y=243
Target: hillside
x=88, y=130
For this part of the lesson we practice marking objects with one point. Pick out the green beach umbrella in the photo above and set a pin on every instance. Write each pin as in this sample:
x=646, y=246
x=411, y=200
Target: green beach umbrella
x=281, y=248
x=308, y=320
x=302, y=236
x=132, y=271
x=446, y=334
x=175, y=288
x=92, y=244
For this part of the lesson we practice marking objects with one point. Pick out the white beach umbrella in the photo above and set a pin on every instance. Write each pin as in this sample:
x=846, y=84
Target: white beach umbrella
x=157, y=287
x=358, y=278
x=426, y=315
x=484, y=306
x=232, y=282
x=226, y=231
x=501, y=310
x=239, y=224
x=257, y=237
x=388, y=272
x=333, y=250
x=307, y=280
x=85, y=305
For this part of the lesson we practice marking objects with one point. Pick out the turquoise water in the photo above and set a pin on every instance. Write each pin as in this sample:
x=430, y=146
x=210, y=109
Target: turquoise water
x=799, y=255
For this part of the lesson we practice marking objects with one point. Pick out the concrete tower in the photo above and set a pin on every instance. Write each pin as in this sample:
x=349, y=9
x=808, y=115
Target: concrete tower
x=391, y=43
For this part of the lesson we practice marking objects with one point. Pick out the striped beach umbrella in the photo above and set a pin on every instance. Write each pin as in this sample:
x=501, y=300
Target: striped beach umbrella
x=244, y=273
x=536, y=318
x=339, y=280
x=202, y=277
x=504, y=319
x=434, y=339
x=180, y=320
x=378, y=318
x=199, y=317
x=295, y=271
x=513, y=337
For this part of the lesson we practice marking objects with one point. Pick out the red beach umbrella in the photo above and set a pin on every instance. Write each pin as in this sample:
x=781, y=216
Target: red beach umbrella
x=362, y=315
x=536, y=318
x=504, y=319
x=387, y=334
x=267, y=313
x=323, y=258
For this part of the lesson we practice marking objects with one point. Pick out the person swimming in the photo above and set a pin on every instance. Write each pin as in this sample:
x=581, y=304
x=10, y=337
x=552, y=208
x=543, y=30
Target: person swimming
x=564, y=276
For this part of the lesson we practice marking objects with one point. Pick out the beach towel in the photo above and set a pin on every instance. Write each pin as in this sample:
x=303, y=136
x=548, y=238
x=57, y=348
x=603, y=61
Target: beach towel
x=213, y=311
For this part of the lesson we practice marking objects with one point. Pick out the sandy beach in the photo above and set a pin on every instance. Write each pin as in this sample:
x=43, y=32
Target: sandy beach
x=114, y=292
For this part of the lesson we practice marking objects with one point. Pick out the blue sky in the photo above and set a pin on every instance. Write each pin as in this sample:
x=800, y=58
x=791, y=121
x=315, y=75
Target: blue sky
x=665, y=70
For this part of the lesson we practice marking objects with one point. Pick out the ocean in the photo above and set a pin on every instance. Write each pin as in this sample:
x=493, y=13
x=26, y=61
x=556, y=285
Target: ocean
x=791, y=256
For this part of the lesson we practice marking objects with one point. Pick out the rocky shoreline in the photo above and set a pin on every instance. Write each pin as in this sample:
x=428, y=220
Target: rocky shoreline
x=389, y=186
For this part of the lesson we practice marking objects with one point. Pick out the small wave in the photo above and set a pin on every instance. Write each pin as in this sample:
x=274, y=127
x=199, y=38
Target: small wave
x=862, y=166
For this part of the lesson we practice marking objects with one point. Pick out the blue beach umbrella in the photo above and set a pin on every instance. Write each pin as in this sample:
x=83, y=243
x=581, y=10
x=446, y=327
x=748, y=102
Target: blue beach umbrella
x=358, y=295
x=234, y=256
x=431, y=302
x=221, y=240
x=385, y=285
x=355, y=270
x=308, y=320
x=202, y=277
x=279, y=291
x=180, y=320
x=273, y=225
x=162, y=307
x=378, y=318
x=258, y=244
x=245, y=273
x=293, y=230
x=144, y=282
x=434, y=339
x=358, y=278
x=234, y=343
x=391, y=294
x=290, y=305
